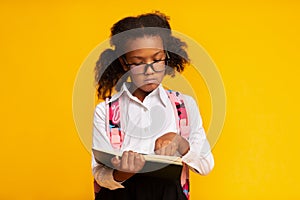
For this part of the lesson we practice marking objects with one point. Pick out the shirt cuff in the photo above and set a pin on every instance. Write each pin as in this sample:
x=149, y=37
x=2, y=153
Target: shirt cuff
x=197, y=163
x=104, y=177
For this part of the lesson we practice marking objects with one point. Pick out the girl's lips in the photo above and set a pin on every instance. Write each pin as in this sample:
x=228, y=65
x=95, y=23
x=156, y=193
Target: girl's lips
x=150, y=81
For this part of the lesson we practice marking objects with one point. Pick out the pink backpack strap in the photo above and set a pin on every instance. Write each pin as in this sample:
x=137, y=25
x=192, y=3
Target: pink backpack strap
x=114, y=132
x=180, y=111
x=184, y=128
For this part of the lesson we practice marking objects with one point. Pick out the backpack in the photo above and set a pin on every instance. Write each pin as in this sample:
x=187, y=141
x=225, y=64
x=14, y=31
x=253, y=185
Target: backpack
x=116, y=135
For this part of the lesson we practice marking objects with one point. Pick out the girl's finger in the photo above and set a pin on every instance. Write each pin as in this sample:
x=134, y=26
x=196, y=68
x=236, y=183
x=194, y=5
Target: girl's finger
x=124, y=161
x=166, y=147
x=142, y=159
x=131, y=161
x=158, y=145
x=115, y=161
x=163, y=151
x=173, y=148
x=168, y=150
x=137, y=161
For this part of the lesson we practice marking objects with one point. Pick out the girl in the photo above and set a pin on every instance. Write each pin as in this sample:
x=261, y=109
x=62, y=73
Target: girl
x=144, y=50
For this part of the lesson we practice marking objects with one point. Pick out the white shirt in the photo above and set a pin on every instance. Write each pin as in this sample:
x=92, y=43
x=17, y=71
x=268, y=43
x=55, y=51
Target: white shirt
x=144, y=122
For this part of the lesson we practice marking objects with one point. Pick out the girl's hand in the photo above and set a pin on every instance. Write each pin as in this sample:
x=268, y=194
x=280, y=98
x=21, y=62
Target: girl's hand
x=130, y=163
x=169, y=143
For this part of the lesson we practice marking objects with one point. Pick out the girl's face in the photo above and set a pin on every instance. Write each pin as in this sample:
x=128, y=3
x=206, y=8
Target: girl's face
x=146, y=61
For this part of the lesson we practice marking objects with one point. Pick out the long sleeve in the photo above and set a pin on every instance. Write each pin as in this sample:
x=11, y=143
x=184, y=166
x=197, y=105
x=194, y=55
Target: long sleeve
x=102, y=174
x=199, y=158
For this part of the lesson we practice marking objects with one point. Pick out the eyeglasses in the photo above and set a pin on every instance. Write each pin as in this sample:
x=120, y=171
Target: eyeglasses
x=141, y=68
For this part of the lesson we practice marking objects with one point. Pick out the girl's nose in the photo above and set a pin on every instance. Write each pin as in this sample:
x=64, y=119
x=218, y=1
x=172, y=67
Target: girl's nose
x=148, y=69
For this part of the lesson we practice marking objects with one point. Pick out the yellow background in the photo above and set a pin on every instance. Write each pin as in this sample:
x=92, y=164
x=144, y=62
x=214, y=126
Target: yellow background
x=255, y=45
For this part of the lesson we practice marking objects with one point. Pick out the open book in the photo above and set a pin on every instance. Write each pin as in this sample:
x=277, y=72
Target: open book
x=156, y=165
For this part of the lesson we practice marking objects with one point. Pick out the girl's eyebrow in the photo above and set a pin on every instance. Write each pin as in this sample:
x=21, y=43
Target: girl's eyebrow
x=140, y=57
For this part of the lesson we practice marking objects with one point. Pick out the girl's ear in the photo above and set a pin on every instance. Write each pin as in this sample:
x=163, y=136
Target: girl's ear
x=125, y=67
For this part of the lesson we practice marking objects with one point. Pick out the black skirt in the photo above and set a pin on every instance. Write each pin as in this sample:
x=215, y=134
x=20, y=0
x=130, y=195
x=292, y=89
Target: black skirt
x=144, y=187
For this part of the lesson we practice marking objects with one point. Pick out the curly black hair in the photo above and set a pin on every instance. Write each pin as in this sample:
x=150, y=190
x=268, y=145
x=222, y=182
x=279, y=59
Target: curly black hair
x=109, y=73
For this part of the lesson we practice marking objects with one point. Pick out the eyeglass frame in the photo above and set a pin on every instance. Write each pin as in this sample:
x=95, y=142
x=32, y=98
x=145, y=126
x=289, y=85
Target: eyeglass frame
x=148, y=64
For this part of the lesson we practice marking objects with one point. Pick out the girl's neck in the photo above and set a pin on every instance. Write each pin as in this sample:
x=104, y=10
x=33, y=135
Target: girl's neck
x=137, y=92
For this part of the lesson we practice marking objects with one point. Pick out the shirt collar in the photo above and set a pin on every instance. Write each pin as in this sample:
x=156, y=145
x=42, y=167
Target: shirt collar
x=125, y=89
x=162, y=94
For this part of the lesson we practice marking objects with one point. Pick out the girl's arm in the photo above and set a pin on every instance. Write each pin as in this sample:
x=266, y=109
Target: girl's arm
x=196, y=151
x=199, y=157
x=102, y=174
